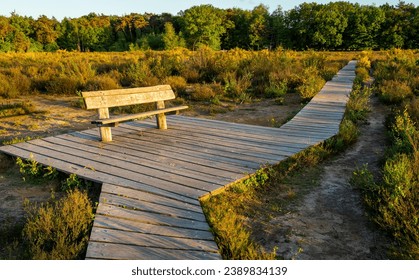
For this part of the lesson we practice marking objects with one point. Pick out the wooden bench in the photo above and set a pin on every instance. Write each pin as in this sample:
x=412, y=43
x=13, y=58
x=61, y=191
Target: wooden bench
x=103, y=100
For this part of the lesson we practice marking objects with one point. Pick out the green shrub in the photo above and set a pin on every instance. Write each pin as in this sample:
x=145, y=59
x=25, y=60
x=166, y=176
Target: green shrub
x=203, y=92
x=237, y=85
x=394, y=91
x=63, y=85
x=312, y=83
x=357, y=107
x=32, y=170
x=101, y=82
x=178, y=84
x=59, y=230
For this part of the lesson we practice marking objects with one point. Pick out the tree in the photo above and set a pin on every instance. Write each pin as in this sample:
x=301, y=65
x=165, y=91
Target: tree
x=259, y=27
x=330, y=23
x=46, y=30
x=237, y=35
x=278, y=28
x=204, y=25
x=170, y=39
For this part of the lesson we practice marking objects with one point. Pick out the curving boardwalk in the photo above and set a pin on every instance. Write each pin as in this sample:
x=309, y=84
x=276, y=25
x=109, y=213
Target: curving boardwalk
x=152, y=179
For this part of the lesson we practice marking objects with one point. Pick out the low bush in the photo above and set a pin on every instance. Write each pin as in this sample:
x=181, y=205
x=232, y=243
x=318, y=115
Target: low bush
x=394, y=91
x=59, y=230
x=203, y=92
x=311, y=84
x=178, y=84
x=101, y=82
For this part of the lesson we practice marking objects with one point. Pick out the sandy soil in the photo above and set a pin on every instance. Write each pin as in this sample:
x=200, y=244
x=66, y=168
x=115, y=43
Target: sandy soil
x=328, y=223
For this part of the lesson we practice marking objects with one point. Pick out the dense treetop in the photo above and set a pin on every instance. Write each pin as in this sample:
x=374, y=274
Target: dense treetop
x=333, y=26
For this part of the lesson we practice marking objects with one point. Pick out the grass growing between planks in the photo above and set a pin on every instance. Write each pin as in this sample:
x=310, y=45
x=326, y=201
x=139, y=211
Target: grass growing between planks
x=272, y=189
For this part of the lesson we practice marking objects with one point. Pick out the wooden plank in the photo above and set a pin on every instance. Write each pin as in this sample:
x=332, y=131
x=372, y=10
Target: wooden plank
x=137, y=116
x=197, y=157
x=124, y=97
x=155, y=198
x=244, y=143
x=99, y=250
x=122, y=161
x=104, y=164
x=142, y=154
x=151, y=240
x=146, y=228
x=122, y=91
x=141, y=159
x=139, y=204
x=151, y=218
x=218, y=145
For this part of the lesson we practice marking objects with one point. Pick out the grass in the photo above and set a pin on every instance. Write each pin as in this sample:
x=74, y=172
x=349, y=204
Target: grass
x=16, y=109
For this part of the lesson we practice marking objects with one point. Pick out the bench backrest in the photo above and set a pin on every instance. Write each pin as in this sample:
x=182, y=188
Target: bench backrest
x=129, y=96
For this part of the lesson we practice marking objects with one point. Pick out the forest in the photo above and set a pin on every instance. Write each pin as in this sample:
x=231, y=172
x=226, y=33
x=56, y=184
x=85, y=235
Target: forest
x=333, y=26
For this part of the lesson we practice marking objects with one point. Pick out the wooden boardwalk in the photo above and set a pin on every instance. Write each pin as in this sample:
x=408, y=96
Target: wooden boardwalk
x=152, y=179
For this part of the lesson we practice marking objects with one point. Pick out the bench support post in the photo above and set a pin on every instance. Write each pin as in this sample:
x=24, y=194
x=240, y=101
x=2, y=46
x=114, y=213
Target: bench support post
x=161, y=118
x=105, y=132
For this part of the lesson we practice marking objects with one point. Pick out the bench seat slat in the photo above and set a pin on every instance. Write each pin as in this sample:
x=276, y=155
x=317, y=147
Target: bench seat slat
x=137, y=116
x=106, y=101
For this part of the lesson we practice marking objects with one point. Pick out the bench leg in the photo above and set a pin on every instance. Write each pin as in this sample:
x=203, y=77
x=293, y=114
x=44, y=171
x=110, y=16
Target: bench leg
x=105, y=132
x=161, y=118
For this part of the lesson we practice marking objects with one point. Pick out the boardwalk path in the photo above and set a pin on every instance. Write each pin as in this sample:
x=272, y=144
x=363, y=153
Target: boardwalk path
x=152, y=180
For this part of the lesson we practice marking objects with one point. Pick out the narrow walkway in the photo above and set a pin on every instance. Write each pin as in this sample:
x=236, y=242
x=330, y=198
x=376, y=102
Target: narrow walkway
x=152, y=180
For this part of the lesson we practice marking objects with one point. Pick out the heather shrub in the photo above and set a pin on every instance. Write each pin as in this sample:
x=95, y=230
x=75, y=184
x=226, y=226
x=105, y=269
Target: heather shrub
x=394, y=91
x=178, y=84
x=101, y=82
x=63, y=85
x=236, y=85
x=203, y=92
x=312, y=83
x=59, y=230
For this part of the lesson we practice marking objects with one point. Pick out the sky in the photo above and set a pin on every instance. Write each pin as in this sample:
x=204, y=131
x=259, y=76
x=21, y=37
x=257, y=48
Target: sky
x=78, y=8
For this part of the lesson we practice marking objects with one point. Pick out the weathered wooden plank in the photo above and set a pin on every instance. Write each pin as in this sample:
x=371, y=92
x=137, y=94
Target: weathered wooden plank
x=124, y=97
x=137, y=116
x=245, y=145
x=226, y=146
x=151, y=218
x=140, y=159
x=103, y=160
x=146, y=228
x=139, y=204
x=98, y=250
x=197, y=157
x=127, y=191
x=105, y=165
x=185, y=150
x=151, y=240
x=144, y=155
x=277, y=139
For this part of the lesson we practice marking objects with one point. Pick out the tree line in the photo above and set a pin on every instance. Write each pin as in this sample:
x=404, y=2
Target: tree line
x=333, y=26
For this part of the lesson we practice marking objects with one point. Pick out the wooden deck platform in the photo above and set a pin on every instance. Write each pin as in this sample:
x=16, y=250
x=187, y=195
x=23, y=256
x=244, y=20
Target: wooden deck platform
x=152, y=179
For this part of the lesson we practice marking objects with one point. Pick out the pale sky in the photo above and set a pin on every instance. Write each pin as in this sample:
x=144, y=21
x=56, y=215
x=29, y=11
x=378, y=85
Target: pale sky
x=77, y=8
